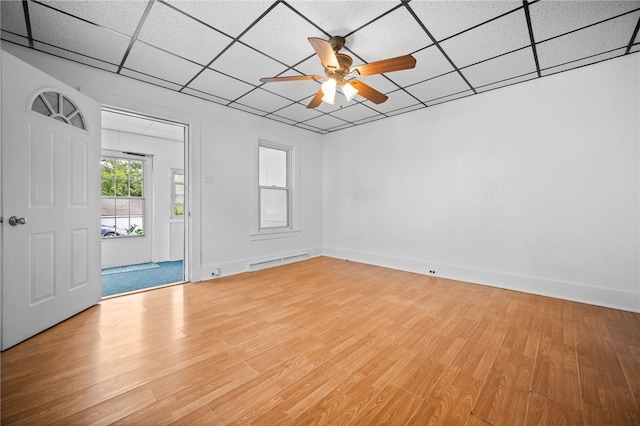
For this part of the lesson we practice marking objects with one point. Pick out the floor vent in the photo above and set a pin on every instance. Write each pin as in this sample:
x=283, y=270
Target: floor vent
x=277, y=262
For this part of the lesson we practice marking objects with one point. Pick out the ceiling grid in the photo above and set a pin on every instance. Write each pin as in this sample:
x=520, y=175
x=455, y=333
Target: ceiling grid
x=218, y=50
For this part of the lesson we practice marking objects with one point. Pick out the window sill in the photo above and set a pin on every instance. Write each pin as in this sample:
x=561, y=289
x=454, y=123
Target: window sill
x=280, y=233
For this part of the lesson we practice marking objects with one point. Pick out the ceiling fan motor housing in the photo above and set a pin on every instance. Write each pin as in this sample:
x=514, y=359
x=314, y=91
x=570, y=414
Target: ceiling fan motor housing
x=338, y=74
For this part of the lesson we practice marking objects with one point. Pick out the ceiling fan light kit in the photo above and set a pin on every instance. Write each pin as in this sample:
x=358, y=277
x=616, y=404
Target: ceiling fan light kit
x=337, y=68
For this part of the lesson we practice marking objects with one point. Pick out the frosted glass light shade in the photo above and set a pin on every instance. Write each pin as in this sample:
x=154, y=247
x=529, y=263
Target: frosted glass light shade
x=329, y=90
x=349, y=91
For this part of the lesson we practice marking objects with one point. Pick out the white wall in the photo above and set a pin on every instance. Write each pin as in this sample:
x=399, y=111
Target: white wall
x=220, y=146
x=167, y=155
x=533, y=187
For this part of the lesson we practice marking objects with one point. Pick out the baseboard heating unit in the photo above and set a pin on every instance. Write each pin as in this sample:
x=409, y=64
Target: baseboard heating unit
x=278, y=261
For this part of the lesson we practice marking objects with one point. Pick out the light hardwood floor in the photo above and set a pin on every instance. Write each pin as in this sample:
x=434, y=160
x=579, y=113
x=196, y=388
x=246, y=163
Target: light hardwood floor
x=327, y=341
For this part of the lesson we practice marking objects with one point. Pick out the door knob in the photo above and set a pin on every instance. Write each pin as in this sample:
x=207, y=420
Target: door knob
x=13, y=221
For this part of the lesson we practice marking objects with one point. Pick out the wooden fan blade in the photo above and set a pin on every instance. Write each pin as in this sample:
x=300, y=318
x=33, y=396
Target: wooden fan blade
x=317, y=100
x=289, y=78
x=325, y=52
x=368, y=92
x=398, y=63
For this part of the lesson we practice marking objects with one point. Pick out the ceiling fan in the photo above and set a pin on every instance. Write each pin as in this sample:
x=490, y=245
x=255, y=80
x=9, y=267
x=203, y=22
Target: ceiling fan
x=337, y=69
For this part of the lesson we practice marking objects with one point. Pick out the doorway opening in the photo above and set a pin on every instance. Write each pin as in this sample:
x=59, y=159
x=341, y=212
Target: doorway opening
x=144, y=194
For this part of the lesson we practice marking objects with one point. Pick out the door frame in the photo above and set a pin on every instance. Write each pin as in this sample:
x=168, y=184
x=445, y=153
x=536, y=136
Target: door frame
x=193, y=221
x=186, y=168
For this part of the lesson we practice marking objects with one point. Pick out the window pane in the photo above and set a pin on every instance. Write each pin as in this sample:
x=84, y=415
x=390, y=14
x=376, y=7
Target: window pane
x=135, y=189
x=52, y=98
x=179, y=189
x=122, y=187
x=178, y=178
x=77, y=121
x=179, y=199
x=67, y=107
x=273, y=208
x=40, y=107
x=178, y=210
x=273, y=167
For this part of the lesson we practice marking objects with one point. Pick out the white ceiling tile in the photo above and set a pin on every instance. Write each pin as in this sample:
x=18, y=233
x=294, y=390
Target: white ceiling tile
x=340, y=18
x=552, y=18
x=325, y=122
x=294, y=90
x=264, y=101
x=73, y=34
x=354, y=112
x=311, y=66
x=289, y=44
x=501, y=68
x=107, y=13
x=181, y=35
x=75, y=57
x=247, y=64
x=508, y=82
x=635, y=48
x=379, y=82
x=492, y=39
x=149, y=79
x=436, y=88
x=582, y=62
x=12, y=17
x=393, y=35
x=298, y=113
x=214, y=83
x=590, y=41
x=397, y=100
x=149, y=60
x=430, y=63
x=229, y=16
x=446, y=18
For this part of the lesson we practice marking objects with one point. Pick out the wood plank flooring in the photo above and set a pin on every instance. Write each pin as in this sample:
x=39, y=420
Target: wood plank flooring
x=327, y=341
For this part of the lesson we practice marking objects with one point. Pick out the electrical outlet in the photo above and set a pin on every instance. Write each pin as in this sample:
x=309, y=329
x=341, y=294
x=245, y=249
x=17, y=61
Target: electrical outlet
x=208, y=178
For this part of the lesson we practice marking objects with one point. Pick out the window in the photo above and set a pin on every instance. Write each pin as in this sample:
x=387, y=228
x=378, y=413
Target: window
x=58, y=107
x=274, y=182
x=122, y=206
x=177, y=193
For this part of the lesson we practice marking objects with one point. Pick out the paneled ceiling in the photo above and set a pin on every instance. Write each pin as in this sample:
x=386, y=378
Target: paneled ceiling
x=218, y=50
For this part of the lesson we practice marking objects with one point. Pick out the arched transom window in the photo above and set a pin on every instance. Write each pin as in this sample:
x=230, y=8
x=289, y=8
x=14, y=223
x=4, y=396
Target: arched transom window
x=59, y=107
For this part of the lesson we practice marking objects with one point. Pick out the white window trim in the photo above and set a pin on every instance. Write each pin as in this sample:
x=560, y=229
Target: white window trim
x=256, y=233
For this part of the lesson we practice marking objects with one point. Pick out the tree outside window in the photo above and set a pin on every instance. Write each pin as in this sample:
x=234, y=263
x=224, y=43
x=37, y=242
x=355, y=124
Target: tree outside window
x=122, y=204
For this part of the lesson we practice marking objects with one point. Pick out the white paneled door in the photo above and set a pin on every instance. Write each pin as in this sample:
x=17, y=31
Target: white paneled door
x=50, y=201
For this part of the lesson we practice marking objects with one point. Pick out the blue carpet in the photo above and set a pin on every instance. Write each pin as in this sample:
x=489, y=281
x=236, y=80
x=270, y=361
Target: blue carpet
x=129, y=268
x=165, y=273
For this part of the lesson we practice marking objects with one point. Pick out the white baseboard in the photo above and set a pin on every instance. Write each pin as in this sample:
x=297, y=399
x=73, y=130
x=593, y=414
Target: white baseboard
x=242, y=265
x=577, y=292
